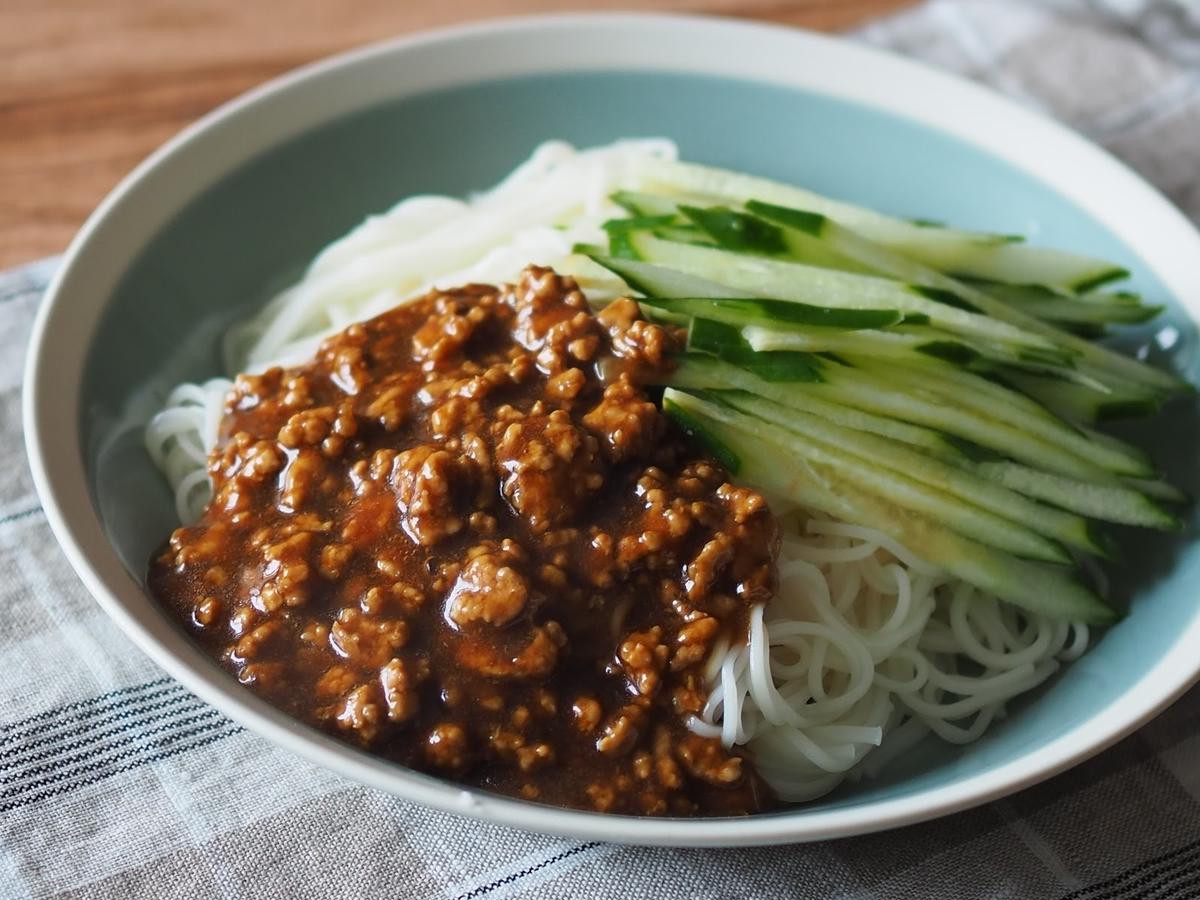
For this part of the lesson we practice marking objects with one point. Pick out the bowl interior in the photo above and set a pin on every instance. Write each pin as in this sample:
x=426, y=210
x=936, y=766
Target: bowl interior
x=252, y=232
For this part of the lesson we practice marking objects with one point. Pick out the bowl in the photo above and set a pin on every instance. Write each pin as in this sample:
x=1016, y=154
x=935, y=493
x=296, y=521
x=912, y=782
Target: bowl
x=231, y=209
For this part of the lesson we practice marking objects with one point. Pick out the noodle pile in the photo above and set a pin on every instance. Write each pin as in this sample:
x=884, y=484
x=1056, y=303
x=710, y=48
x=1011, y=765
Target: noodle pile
x=864, y=651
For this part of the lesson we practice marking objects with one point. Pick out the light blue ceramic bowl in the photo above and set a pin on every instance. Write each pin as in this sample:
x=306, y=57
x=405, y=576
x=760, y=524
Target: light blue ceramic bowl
x=228, y=212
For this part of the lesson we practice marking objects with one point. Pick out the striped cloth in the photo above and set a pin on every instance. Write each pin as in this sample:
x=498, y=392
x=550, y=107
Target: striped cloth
x=116, y=782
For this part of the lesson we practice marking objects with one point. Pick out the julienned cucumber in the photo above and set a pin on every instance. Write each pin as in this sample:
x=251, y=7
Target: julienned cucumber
x=706, y=373
x=970, y=488
x=888, y=261
x=1082, y=404
x=991, y=256
x=818, y=241
x=1060, y=309
x=1107, y=499
x=918, y=379
x=1110, y=502
x=767, y=457
x=696, y=184
x=778, y=313
x=905, y=343
x=916, y=494
x=844, y=386
x=1049, y=267
x=744, y=275
x=725, y=342
x=988, y=399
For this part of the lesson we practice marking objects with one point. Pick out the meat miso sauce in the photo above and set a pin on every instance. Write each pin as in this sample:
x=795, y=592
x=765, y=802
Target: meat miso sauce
x=464, y=538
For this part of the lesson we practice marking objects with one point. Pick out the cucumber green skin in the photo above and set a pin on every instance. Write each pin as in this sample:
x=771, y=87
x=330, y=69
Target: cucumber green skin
x=778, y=313
x=1066, y=311
x=736, y=231
x=725, y=342
x=765, y=459
x=696, y=428
x=1157, y=489
x=896, y=263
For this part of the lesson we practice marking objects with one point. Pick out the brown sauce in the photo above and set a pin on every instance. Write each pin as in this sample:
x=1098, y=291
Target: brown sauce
x=464, y=538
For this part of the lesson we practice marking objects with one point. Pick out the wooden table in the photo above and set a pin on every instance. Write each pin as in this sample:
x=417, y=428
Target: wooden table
x=89, y=87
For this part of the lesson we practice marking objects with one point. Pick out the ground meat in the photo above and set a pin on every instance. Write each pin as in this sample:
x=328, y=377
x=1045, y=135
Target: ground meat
x=627, y=422
x=490, y=588
x=432, y=489
x=548, y=467
x=466, y=539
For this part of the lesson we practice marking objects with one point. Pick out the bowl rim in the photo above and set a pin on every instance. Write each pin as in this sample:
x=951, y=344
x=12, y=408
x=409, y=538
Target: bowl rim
x=282, y=107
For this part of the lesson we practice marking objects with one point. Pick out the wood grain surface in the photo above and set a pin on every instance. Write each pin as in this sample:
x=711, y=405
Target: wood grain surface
x=89, y=87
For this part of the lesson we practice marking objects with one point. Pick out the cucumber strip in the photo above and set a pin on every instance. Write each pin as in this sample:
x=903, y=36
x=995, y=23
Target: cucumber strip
x=886, y=344
x=779, y=313
x=802, y=248
x=993, y=256
x=642, y=204
x=1073, y=311
x=997, y=261
x=1114, y=365
x=685, y=235
x=912, y=344
x=967, y=486
x=845, y=386
x=692, y=183
x=1030, y=294
x=725, y=342
x=702, y=373
x=737, y=231
x=869, y=393
x=911, y=494
x=1115, y=502
x=887, y=261
x=766, y=456
x=662, y=315
x=640, y=223
x=695, y=426
x=1015, y=263
x=1112, y=503
x=1083, y=404
x=822, y=287
x=589, y=250
x=991, y=400
x=907, y=343
x=1157, y=489
x=658, y=281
